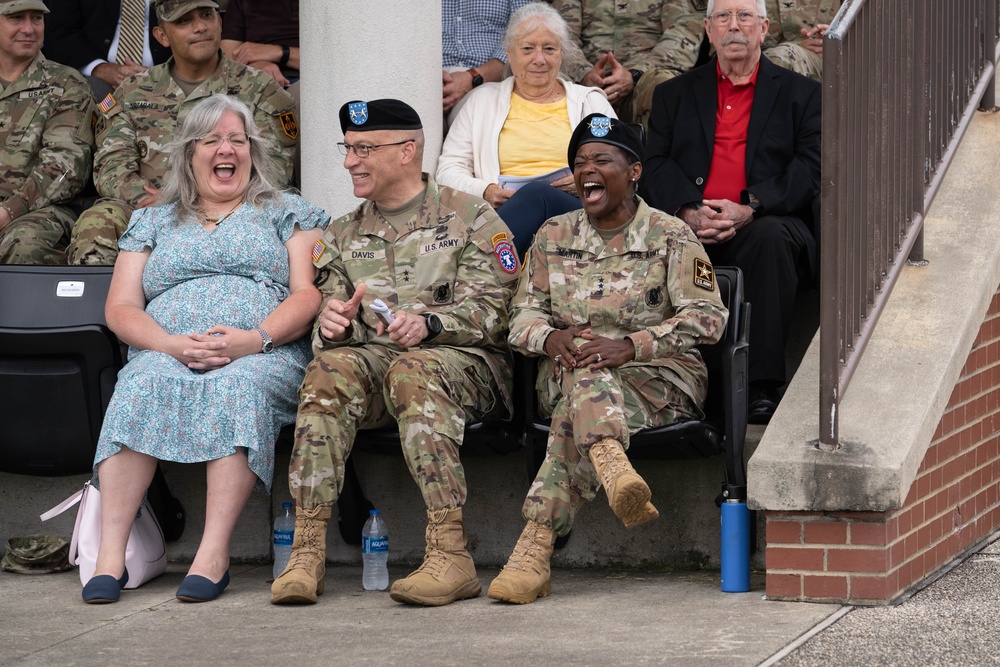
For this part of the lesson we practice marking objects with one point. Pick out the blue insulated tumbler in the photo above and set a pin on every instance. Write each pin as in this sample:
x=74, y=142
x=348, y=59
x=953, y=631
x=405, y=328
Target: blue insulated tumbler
x=735, y=547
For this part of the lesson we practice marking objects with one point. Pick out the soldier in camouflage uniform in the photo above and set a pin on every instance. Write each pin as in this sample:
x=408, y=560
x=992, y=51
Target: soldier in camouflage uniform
x=141, y=116
x=616, y=297
x=45, y=128
x=443, y=263
x=631, y=46
x=795, y=36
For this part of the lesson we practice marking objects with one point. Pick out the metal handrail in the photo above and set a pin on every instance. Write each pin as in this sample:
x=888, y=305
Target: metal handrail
x=901, y=81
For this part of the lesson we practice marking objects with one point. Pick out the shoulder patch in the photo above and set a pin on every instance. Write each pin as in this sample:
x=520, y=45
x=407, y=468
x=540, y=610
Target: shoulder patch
x=288, y=125
x=108, y=103
x=704, y=274
x=506, y=256
x=497, y=238
x=318, y=249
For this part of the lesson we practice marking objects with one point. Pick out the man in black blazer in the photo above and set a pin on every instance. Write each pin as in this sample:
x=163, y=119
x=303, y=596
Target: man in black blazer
x=734, y=151
x=79, y=33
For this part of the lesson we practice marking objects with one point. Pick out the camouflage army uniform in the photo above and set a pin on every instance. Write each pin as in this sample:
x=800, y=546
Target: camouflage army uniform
x=783, y=44
x=131, y=135
x=447, y=262
x=653, y=284
x=46, y=128
x=660, y=38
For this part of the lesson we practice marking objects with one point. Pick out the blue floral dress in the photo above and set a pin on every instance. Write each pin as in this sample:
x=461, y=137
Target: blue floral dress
x=194, y=279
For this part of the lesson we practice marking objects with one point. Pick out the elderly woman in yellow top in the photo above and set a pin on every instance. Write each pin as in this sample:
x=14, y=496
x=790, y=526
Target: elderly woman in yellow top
x=520, y=127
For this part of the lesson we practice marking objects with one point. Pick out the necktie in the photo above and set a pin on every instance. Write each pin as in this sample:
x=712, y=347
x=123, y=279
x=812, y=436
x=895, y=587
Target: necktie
x=133, y=29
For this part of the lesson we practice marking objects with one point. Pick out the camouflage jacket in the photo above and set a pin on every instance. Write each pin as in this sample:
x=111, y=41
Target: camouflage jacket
x=46, y=127
x=642, y=33
x=149, y=107
x=654, y=284
x=788, y=17
x=454, y=260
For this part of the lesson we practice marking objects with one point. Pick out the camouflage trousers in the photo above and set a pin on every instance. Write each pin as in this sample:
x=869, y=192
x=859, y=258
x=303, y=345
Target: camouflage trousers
x=798, y=59
x=636, y=106
x=430, y=393
x=96, y=233
x=588, y=406
x=39, y=237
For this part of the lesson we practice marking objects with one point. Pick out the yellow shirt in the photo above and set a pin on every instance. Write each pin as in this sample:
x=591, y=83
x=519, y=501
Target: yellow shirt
x=534, y=138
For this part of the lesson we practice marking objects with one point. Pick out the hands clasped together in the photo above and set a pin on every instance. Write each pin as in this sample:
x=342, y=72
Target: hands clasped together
x=597, y=352
x=217, y=347
x=716, y=220
x=406, y=330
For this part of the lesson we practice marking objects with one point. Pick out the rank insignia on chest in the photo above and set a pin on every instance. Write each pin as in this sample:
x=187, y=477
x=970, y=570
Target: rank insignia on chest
x=233, y=91
x=506, y=257
x=318, y=248
x=704, y=274
x=654, y=297
x=143, y=149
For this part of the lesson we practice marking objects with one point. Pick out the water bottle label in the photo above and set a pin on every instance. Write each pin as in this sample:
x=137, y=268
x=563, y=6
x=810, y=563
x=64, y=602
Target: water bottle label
x=374, y=545
x=283, y=538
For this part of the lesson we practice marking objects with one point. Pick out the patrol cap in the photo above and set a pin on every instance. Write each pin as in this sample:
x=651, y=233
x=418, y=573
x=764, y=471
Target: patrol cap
x=598, y=127
x=386, y=114
x=38, y=554
x=171, y=10
x=15, y=6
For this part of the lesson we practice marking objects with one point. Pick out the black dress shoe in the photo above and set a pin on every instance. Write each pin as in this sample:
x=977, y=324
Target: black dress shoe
x=104, y=589
x=763, y=402
x=196, y=588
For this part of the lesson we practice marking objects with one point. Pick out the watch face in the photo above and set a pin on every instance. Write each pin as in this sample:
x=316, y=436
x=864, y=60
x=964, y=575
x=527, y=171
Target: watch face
x=268, y=347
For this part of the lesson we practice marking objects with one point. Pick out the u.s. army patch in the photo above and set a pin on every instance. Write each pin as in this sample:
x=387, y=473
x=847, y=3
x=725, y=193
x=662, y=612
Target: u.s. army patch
x=108, y=103
x=704, y=274
x=318, y=248
x=288, y=125
x=654, y=297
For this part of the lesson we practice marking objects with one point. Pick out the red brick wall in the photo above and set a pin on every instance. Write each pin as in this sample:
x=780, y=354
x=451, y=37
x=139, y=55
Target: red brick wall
x=873, y=557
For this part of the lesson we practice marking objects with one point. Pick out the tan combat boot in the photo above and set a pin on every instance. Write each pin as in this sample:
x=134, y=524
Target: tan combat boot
x=447, y=573
x=628, y=493
x=526, y=575
x=302, y=579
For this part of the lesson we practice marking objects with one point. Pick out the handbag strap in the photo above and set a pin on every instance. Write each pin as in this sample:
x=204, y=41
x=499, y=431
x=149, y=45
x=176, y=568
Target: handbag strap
x=64, y=505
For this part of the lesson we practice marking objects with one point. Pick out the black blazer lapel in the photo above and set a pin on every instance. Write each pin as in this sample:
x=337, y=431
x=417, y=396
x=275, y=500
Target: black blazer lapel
x=768, y=87
x=706, y=90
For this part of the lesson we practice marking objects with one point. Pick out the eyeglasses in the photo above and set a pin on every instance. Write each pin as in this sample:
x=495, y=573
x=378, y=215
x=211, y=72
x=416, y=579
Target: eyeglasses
x=362, y=150
x=743, y=18
x=214, y=140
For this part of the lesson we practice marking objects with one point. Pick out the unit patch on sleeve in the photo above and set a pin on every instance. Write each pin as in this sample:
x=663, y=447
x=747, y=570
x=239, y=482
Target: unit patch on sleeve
x=704, y=274
x=288, y=124
x=506, y=257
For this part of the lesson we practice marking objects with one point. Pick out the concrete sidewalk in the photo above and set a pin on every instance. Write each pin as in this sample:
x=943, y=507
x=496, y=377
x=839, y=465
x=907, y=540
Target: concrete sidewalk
x=594, y=617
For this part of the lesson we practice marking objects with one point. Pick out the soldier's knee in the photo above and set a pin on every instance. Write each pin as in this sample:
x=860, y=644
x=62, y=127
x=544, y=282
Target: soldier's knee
x=413, y=370
x=327, y=381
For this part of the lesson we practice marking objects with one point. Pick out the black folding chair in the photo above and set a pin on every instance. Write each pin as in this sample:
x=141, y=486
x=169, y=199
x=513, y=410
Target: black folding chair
x=58, y=366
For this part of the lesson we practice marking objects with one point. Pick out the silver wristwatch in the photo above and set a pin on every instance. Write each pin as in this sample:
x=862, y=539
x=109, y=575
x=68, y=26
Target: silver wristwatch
x=268, y=345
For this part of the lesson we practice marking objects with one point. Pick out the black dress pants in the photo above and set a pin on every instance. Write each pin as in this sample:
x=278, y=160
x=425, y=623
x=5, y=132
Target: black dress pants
x=768, y=251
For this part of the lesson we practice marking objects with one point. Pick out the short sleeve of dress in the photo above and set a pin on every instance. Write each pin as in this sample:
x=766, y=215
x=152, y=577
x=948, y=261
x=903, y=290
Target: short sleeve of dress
x=143, y=228
x=294, y=210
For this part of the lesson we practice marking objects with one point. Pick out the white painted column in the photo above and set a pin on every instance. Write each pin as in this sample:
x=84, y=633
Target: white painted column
x=363, y=50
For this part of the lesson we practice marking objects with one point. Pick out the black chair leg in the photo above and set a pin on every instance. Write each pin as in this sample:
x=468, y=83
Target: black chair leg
x=352, y=506
x=167, y=508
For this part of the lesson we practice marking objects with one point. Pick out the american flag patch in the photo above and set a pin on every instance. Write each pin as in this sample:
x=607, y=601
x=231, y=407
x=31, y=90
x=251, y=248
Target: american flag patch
x=108, y=103
x=318, y=249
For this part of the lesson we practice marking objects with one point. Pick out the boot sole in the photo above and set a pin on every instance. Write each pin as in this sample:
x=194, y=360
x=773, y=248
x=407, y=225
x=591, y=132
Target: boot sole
x=629, y=500
x=297, y=597
x=470, y=590
x=501, y=593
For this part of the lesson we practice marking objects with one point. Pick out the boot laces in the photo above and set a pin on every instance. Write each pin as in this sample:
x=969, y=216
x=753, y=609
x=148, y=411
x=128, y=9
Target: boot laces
x=613, y=462
x=524, y=552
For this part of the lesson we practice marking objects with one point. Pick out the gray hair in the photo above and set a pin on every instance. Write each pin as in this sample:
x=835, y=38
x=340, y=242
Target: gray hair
x=761, y=8
x=537, y=15
x=181, y=187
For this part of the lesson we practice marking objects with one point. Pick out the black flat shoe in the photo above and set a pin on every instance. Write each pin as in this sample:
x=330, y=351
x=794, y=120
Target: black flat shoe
x=104, y=589
x=196, y=588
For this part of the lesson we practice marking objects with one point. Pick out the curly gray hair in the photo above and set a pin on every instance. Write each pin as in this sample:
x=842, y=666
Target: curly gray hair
x=536, y=15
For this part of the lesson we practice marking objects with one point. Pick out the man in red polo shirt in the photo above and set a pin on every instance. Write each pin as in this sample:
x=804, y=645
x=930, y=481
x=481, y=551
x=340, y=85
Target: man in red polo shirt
x=734, y=151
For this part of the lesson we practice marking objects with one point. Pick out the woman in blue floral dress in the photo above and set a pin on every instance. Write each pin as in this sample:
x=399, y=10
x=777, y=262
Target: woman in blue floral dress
x=213, y=291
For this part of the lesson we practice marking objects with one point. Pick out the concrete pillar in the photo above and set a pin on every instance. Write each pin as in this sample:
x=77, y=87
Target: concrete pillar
x=363, y=50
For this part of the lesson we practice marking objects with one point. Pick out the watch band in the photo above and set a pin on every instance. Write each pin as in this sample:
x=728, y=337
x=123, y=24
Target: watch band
x=267, y=345
x=286, y=53
x=477, y=78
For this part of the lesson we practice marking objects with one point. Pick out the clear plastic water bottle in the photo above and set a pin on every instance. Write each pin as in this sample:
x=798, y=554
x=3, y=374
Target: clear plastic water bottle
x=375, y=553
x=284, y=532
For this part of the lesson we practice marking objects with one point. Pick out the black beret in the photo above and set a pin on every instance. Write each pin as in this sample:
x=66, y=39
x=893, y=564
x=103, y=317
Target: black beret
x=598, y=127
x=385, y=114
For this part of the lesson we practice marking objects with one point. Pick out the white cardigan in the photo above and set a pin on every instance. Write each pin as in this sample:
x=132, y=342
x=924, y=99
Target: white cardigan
x=470, y=158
